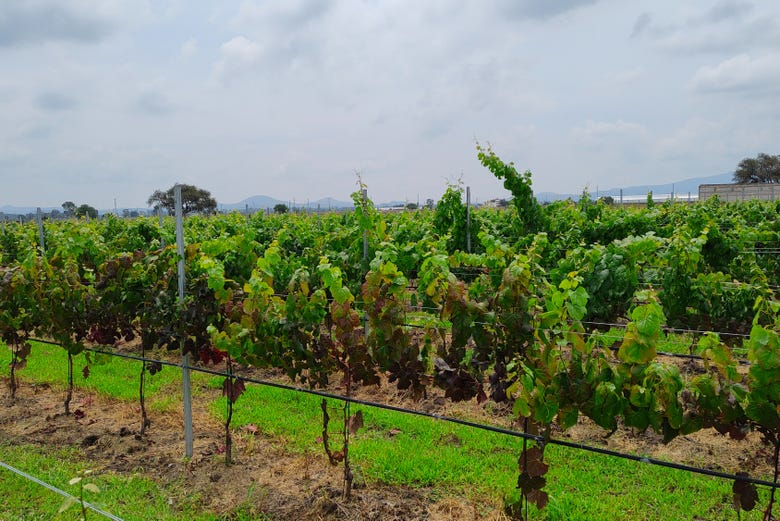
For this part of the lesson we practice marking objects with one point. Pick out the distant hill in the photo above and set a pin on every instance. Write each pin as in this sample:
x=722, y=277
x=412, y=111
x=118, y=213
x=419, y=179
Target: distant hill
x=10, y=212
x=264, y=202
x=681, y=188
x=24, y=210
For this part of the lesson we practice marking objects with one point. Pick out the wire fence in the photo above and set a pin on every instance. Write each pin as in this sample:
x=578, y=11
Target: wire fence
x=440, y=417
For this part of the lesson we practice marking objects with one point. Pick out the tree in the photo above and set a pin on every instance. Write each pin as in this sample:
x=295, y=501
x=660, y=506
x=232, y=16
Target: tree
x=761, y=169
x=193, y=200
x=69, y=208
x=280, y=208
x=86, y=210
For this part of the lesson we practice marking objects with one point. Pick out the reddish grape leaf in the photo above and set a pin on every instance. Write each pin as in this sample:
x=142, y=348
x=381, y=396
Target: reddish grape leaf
x=233, y=389
x=539, y=497
x=536, y=468
x=356, y=422
x=154, y=367
x=78, y=414
x=745, y=494
x=85, y=372
x=738, y=432
x=526, y=483
x=481, y=396
x=24, y=351
x=338, y=455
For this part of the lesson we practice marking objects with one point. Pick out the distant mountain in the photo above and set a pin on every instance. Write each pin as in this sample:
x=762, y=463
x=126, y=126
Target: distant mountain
x=8, y=211
x=264, y=202
x=680, y=188
x=24, y=210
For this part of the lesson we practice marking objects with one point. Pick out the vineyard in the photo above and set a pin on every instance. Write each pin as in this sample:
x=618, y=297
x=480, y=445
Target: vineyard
x=562, y=311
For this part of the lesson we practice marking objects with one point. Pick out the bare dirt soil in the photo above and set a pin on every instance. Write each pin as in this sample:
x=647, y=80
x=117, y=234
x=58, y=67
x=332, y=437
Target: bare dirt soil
x=305, y=487
x=273, y=481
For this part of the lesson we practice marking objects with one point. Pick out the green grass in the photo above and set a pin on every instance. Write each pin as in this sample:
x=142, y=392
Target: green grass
x=127, y=497
x=399, y=449
x=110, y=377
x=677, y=343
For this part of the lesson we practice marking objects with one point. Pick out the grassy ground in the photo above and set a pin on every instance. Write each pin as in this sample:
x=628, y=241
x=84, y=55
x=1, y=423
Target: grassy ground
x=392, y=448
x=129, y=497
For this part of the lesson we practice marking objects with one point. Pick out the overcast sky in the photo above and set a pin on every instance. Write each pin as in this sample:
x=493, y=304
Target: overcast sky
x=104, y=99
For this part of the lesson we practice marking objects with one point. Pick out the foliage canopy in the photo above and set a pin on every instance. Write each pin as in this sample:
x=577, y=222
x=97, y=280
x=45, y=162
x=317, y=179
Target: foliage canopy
x=760, y=169
x=528, y=209
x=193, y=200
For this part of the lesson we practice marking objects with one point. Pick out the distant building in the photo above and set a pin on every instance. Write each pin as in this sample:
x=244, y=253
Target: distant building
x=741, y=192
x=495, y=203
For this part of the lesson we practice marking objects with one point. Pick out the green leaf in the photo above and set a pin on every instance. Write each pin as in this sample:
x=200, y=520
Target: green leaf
x=342, y=295
x=521, y=408
x=546, y=411
x=763, y=413
x=568, y=417
x=579, y=299
x=648, y=319
x=633, y=350
x=764, y=348
x=640, y=396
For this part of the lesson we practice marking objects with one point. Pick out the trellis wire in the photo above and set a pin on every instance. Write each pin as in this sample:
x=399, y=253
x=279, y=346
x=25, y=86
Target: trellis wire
x=449, y=419
x=59, y=491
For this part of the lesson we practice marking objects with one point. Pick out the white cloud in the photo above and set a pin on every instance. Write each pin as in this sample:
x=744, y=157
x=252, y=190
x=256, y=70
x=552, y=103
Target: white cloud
x=700, y=134
x=627, y=76
x=728, y=26
x=287, y=14
x=237, y=55
x=189, y=48
x=602, y=133
x=154, y=103
x=741, y=73
x=398, y=89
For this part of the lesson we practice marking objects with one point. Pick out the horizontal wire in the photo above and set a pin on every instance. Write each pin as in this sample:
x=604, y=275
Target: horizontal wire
x=466, y=423
x=59, y=491
x=670, y=329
